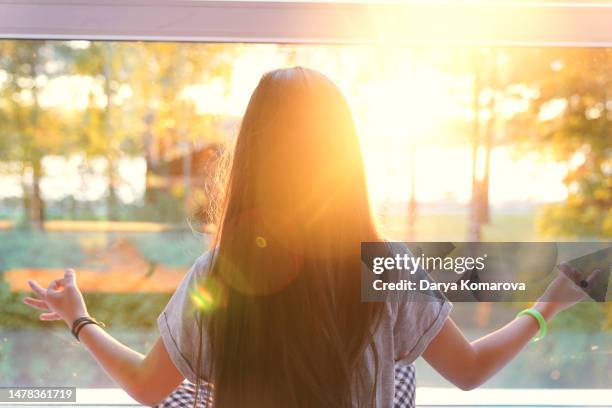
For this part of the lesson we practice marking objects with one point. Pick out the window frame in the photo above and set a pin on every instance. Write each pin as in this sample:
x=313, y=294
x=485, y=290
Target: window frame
x=318, y=22
x=449, y=22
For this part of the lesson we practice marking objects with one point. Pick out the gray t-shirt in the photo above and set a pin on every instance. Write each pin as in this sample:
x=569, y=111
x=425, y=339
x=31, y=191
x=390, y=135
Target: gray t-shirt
x=405, y=331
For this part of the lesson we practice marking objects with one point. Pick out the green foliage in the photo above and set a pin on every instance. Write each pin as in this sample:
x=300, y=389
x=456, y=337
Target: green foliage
x=136, y=107
x=579, y=81
x=585, y=317
x=31, y=131
x=134, y=310
x=566, y=220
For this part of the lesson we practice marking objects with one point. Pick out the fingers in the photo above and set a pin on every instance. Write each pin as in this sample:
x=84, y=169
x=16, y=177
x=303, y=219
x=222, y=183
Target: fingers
x=51, y=316
x=36, y=303
x=40, y=292
x=55, y=285
x=593, y=277
x=69, y=277
x=55, y=288
x=576, y=276
x=570, y=272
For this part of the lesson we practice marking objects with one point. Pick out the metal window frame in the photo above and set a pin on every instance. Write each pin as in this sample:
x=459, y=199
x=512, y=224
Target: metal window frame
x=401, y=22
x=445, y=23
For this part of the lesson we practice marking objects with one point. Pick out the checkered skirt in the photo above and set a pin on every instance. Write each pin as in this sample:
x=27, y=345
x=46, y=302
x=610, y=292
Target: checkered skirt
x=183, y=396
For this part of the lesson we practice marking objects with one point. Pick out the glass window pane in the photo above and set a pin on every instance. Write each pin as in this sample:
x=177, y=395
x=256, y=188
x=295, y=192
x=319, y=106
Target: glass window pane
x=108, y=151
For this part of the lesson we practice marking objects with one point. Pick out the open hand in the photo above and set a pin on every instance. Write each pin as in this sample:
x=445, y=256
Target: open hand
x=62, y=300
x=568, y=288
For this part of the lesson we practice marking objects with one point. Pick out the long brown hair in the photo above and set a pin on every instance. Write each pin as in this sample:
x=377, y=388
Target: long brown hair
x=288, y=328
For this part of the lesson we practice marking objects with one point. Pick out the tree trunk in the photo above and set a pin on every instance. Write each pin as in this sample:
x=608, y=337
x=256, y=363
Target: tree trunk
x=474, y=229
x=111, y=198
x=488, y=145
x=25, y=199
x=147, y=138
x=37, y=205
x=412, y=202
x=187, y=170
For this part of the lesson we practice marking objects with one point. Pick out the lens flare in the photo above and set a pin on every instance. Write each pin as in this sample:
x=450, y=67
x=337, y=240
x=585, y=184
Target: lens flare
x=207, y=296
x=261, y=242
x=203, y=299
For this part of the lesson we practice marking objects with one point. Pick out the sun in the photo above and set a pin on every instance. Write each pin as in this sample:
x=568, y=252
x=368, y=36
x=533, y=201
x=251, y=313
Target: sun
x=397, y=114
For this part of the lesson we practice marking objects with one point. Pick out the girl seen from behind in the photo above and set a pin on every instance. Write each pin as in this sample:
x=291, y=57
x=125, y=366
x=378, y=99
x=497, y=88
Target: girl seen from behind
x=272, y=315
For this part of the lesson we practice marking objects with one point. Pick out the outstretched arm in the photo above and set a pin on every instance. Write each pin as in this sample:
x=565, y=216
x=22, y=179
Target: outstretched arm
x=148, y=379
x=468, y=365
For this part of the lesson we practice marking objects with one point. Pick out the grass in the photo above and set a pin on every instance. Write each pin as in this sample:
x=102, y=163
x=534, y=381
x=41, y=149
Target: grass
x=20, y=248
x=453, y=226
x=576, y=353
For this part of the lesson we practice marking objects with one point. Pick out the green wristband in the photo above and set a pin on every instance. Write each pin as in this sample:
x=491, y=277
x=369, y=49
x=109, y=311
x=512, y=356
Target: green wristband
x=541, y=322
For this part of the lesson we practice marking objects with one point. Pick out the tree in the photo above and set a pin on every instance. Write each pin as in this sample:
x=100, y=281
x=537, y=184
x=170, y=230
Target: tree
x=570, y=121
x=105, y=128
x=29, y=131
x=171, y=124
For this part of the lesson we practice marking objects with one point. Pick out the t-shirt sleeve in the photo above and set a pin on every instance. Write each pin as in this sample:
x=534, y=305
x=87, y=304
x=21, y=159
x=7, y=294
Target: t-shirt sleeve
x=417, y=324
x=178, y=323
x=418, y=321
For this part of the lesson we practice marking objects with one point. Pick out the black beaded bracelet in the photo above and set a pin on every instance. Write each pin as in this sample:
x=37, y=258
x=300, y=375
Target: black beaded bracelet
x=81, y=322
